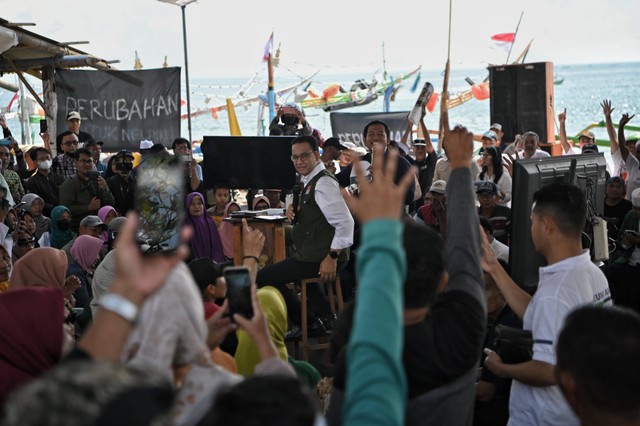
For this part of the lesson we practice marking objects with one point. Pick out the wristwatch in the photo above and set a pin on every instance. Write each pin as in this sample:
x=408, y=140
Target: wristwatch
x=333, y=254
x=120, y=306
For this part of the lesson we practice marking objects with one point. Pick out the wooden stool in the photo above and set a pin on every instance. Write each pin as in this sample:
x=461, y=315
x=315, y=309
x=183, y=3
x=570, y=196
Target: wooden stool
x=335, y=292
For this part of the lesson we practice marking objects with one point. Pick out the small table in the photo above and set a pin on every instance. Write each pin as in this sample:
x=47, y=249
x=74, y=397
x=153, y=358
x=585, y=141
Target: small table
x=274, y=245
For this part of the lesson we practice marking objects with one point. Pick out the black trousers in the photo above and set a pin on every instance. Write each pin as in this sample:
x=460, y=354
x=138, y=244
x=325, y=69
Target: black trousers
x=294, y=270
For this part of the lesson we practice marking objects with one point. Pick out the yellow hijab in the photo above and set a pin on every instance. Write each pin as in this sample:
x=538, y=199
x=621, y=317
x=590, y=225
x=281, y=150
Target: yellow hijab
x=275, y=310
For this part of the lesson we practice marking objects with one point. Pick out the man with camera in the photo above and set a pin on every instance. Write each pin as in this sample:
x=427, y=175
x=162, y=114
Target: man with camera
x=193, y=171
x=122, y=184
x=85, y=192
x=294, y=123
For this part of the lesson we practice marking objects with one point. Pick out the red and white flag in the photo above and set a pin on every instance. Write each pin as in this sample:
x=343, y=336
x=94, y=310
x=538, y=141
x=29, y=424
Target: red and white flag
x=15, y=98
x=504, y=41
x=268, y=48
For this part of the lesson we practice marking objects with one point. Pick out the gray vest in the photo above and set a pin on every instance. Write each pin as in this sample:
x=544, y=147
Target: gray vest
x=312, y=235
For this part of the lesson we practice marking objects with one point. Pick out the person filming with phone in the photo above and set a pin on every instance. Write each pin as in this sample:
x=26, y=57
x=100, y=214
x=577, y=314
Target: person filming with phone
x=294, y=123
x=86, y=191
x=193, y=171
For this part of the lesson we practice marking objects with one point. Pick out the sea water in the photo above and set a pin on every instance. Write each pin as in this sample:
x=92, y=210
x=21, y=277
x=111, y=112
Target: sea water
x=584, y=87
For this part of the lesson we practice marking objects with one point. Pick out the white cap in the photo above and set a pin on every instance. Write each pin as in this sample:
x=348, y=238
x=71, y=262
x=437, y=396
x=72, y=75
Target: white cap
x=349, y=145
x=438, y=186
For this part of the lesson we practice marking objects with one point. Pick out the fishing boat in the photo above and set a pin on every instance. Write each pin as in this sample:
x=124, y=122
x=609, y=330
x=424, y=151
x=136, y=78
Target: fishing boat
x=240, y=99
x=334, y=97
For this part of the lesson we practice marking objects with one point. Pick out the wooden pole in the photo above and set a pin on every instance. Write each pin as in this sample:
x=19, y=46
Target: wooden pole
x=444, y=113
x=514, y=37
x=270, y=87
x=50, y=100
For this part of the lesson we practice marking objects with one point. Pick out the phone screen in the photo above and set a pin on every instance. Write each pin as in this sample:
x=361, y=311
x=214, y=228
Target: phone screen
x=239, y=291
x=43, y=126
x=159, y=204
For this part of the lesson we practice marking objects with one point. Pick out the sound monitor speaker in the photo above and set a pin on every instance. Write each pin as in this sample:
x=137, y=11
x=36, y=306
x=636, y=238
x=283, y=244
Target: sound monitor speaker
x=522, y=99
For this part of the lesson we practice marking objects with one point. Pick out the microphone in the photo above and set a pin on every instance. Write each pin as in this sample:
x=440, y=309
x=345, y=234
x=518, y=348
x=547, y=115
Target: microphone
x=296, y=201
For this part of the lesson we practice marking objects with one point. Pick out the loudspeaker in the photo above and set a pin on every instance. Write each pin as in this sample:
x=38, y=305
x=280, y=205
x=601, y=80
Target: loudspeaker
x=522, y=99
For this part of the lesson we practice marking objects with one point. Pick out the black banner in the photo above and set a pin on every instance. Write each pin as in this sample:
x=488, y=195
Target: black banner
x=121, y=108
x=348, y=126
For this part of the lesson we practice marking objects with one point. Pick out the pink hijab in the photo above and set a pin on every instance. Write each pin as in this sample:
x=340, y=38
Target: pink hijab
x=85, y=250
x=102, y=214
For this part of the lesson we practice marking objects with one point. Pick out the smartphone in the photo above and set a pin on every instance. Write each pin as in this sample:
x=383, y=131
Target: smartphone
x=239, y=291
x=43, y=126
x=159, y=204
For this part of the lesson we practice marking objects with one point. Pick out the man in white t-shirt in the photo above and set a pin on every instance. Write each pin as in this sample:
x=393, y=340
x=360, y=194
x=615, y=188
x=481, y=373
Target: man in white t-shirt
x=624, y=159
x=586, y=139
x=531, y=146
x=570, y=280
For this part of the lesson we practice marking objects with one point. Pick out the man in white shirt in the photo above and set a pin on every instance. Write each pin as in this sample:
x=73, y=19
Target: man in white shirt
x=586, y=139
x=322, y=233
x=531, y=143
x=570, y=280
x=623, y=158
x=500, y=250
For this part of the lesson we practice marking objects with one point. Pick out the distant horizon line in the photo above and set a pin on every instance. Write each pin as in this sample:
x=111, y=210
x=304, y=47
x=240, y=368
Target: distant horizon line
x=331, y=72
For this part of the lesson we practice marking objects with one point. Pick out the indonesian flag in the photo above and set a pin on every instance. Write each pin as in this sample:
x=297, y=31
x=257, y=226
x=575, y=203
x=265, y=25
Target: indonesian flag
x=268, y=48
x=504, y=41
x=15, y=98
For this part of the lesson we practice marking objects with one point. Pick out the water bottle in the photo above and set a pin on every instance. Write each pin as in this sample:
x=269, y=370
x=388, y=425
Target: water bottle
x=425, y=95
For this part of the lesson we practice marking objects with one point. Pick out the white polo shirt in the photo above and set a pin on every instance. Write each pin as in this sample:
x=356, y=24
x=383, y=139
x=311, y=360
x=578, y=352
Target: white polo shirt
x=633, y=170
x=563, y=287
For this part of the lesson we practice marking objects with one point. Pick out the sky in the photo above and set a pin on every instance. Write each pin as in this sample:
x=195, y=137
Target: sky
x=227, y=38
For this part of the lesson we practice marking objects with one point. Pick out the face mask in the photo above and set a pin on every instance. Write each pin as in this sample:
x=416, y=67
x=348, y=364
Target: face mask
x=124, y=167
x=289, y=120
x=45, y=165
x=63, y=225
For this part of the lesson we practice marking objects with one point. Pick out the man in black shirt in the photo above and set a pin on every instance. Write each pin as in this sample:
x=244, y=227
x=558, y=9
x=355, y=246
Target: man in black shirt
x=615, y=205
x=122, y=184
x=425, y=161
x=44, y=182
x=73, y=125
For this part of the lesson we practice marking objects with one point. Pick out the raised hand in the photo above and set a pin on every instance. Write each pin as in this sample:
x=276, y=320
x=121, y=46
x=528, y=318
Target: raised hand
x=562, y=117
x=137, y=276
x=507, y=162
x=606, y=107
x=380, y=198
x=252, y=240
x=459, y=146
x=625, y=119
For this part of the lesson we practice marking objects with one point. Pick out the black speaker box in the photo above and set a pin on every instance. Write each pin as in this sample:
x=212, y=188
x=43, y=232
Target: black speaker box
x=522, y=99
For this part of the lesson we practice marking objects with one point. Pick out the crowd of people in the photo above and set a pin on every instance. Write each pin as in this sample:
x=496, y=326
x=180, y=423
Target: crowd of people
x=95, y=332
